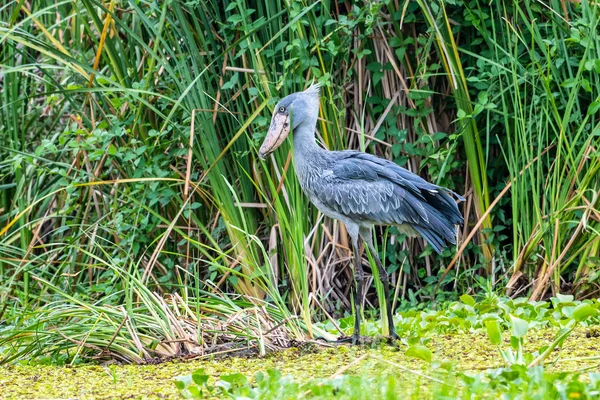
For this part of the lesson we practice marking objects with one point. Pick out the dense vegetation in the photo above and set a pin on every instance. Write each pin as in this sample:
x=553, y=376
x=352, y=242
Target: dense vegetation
x=136, y=220
x=493, y=348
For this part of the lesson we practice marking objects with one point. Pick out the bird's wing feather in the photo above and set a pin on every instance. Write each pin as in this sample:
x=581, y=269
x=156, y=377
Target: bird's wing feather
x=379, y=168
x=361, y=190
x=370, y=200
x=438, y=197
x=368, y=188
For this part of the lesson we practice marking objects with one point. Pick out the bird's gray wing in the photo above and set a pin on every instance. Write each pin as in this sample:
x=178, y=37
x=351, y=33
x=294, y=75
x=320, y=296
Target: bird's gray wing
x=357, y=190
x=367, y=188
x=439, y=198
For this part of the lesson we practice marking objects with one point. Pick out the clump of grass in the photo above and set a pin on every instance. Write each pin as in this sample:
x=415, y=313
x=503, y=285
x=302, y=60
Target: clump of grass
x=148, y=327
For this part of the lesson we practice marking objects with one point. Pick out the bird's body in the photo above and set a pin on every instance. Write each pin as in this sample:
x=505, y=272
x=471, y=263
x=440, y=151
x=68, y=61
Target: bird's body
x=361, y=190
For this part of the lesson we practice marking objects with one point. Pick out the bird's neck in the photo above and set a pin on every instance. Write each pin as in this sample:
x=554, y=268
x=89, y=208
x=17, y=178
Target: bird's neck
x=304, y=139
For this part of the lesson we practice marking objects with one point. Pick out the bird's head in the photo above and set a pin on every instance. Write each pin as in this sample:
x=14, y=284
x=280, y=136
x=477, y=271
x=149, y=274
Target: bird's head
x=291, y=112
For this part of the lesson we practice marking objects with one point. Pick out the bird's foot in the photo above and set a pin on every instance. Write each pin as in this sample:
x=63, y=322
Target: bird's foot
x=354, y=340
x=393, y=336
x=339, y=340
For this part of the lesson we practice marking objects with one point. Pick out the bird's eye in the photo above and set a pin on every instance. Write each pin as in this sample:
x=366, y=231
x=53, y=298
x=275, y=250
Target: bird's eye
x=282, y=109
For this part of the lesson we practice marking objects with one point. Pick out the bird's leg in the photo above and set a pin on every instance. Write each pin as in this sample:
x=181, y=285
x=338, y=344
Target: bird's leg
x=385, y=280
x=359, y=277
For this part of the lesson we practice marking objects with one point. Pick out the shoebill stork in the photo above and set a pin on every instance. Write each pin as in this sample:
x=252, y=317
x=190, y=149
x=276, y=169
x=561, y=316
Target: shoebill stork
x=361, y=190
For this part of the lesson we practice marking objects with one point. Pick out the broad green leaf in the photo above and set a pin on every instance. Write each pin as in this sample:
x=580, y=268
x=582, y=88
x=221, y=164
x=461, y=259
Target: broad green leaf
x=583, y=311
x=519, y=326
x=514, y=342
x=493, y=331
x=593, y=108
x=568, y=311
x=231, y=83
x=195, y=392
x=181, y=382
x=235, y=379
x=420, y=352
x=199, y=377
x=564, y=298
x=467, y=299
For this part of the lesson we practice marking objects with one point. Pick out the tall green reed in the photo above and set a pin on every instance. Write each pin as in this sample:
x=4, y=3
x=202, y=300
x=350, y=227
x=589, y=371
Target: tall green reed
x=546, y=82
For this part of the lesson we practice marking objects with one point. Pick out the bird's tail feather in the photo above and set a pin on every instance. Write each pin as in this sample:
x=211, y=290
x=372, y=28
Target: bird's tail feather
x=437, y=241
x=443, y=215
x=445, y=205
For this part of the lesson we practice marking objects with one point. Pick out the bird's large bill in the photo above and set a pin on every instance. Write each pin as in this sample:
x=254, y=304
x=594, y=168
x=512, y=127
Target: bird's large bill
x=278, y=131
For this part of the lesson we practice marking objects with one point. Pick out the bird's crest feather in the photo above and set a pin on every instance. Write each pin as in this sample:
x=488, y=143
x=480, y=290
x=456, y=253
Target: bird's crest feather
x=314, y=88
